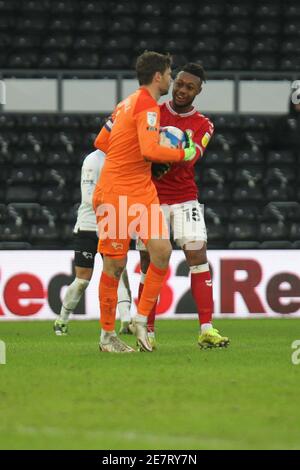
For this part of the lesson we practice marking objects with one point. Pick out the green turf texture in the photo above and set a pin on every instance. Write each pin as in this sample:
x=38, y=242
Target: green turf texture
x=62, y=393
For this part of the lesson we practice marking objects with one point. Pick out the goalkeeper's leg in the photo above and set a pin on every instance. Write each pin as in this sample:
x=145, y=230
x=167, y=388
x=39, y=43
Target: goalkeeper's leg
x=124, y=303
x=145, y=261
x=160, y=252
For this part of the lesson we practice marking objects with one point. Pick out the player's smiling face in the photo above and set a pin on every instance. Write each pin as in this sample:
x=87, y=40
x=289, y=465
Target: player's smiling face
x=186, y=88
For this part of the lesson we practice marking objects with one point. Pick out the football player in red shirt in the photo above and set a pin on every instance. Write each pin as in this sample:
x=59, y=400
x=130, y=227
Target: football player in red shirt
x=178, y=196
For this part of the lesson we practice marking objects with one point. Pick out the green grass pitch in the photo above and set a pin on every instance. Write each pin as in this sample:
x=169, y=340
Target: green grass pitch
x=62, y=393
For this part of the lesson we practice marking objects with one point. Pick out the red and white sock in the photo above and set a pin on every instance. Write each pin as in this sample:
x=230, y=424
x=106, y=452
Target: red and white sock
x=201, y=285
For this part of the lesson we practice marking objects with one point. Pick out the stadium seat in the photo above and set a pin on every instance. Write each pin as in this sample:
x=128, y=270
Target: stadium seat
x=236, y=44
x=209, y=61
x=239, y=9
x=279, y=193
x=238, y=26
x=292, y=27
x=151, y=26
x=211, y=9
x=266, y=62
x=216, y=233
x=295, y=231
x=179, y=27
x=242, y=231
x=234, y=62
x=210, y=27
x=290, y=46
x=250, y=175
x=249, y=157
x=21, y=193
x=273, y=231
x=247, y=193
x=92, y=7
x=86, y=24
x=268, y=10
x=245, y=212
x=180, y=9
x=292, y=10
x=150, y=43
x=276, y=245
x=214, y=193
x=150, y=8
x=213, y=158
x=62, y=7
x=265, y=44
x=244, y=245
x=291, y=63
x=124, y=8
x=122, y=24
x=268, y=28
x=115, y=61
x=176, y=45
x=280, y=157
x=206, y=44
x=15, y=246
x=42, y=233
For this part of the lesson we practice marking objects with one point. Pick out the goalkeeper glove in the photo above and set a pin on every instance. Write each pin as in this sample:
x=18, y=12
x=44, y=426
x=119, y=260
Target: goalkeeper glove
x=190, y=149
x=158, y=170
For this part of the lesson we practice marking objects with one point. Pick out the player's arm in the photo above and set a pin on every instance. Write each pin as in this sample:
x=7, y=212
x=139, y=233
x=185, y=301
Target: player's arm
x=89, y=176
x=202, y=138
x=102, y=139
x=148, y=135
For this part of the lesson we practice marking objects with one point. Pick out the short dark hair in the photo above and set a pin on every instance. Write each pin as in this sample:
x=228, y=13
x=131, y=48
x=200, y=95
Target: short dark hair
x=149, y=63
x=194, y=69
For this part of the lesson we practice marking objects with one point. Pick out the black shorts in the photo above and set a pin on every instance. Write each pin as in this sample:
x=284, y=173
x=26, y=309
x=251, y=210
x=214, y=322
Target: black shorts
x=85, y=247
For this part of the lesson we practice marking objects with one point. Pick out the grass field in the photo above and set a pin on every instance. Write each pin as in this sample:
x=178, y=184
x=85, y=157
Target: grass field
x=61, y=393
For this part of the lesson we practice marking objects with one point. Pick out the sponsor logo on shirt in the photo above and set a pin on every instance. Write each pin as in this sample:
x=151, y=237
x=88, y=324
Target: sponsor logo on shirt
x=151, y=118
x=205, y=139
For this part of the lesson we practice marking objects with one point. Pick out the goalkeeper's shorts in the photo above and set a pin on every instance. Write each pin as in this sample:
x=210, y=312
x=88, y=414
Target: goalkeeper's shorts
x=122, y=218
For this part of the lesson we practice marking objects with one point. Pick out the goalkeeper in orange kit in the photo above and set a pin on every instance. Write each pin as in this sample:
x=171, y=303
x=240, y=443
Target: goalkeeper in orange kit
x=125, y=189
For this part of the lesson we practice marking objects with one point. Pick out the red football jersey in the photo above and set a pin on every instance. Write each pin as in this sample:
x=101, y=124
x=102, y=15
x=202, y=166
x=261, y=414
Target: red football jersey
x=178, y=185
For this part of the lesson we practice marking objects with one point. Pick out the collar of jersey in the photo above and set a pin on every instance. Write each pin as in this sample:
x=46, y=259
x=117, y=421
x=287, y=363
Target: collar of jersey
x=190, y=113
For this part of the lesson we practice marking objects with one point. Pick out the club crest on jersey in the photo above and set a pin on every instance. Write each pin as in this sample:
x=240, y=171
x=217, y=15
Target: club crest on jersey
x=151, y=118
x=205, y=139
x=117, y=246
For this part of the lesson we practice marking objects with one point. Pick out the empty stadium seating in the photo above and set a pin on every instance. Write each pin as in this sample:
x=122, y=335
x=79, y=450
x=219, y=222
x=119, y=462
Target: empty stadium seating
x=248, y=182
x=251, y=35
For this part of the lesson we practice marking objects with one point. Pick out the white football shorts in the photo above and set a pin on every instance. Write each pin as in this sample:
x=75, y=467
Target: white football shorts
x=185, y=221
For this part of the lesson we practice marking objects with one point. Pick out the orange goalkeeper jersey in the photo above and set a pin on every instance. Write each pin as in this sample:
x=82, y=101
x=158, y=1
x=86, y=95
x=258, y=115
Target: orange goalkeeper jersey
x=130, y=146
